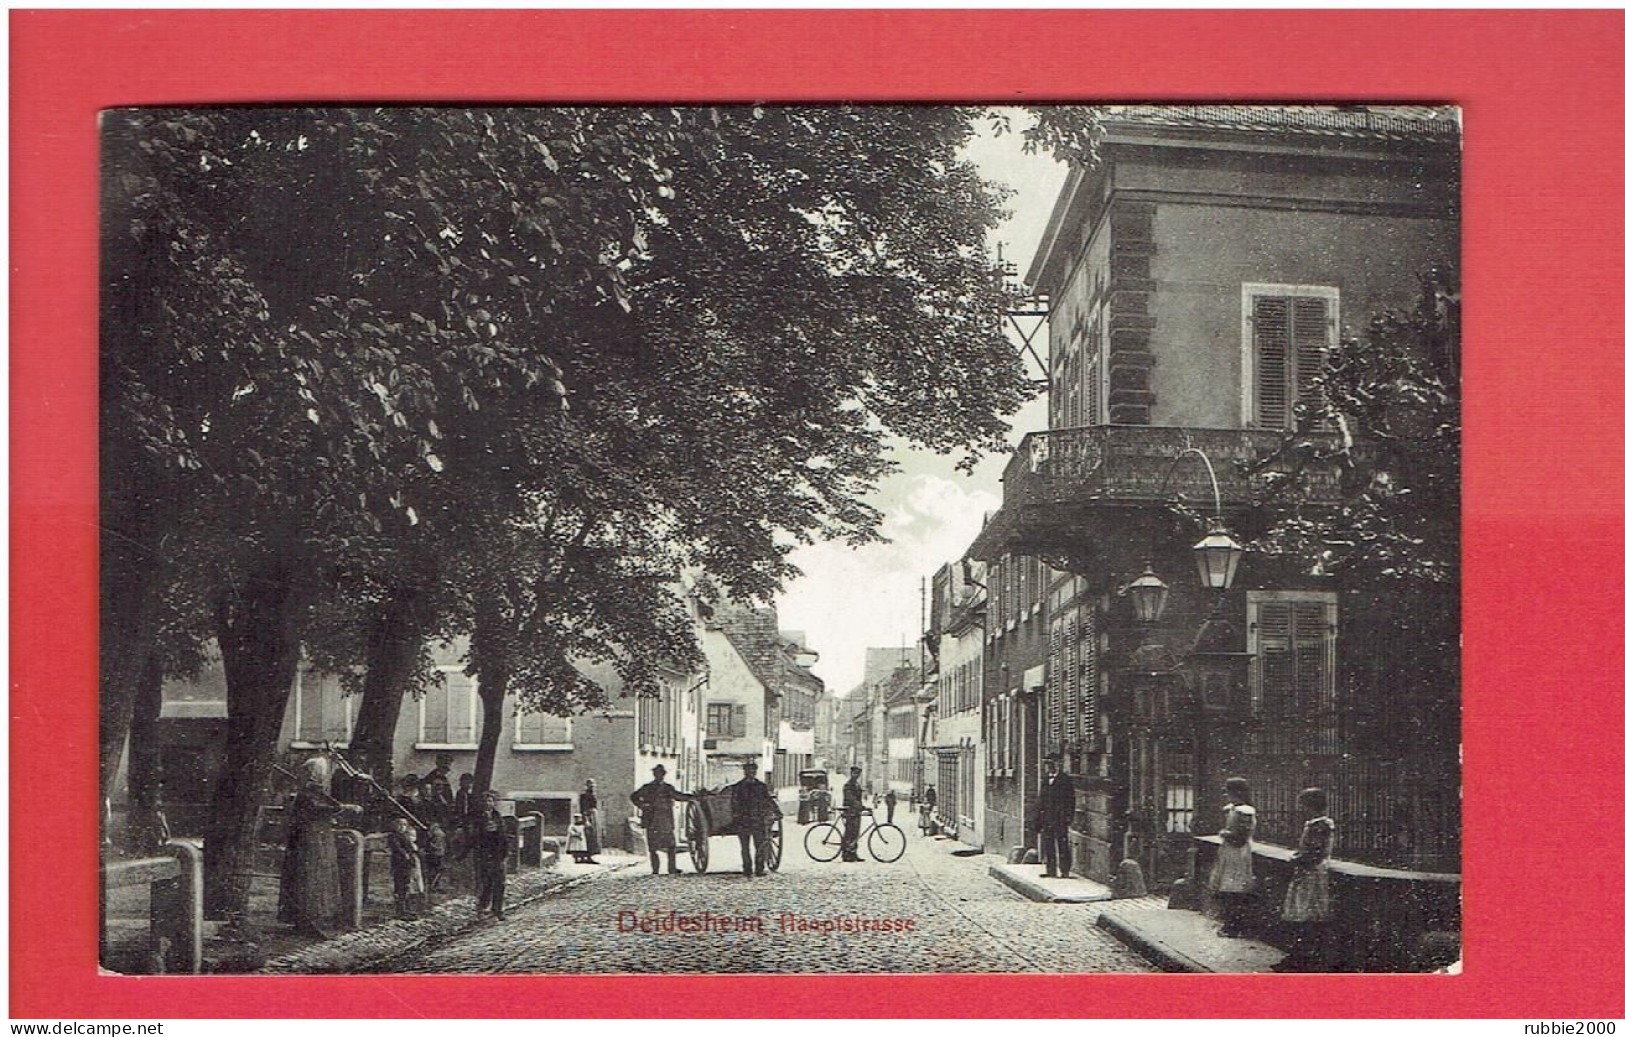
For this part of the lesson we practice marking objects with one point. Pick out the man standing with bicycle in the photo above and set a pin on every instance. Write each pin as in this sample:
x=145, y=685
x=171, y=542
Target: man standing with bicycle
x=852, y=812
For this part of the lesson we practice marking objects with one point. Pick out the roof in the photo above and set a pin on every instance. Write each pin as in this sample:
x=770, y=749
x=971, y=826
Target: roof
x=1368, y=122
x=1382, y=129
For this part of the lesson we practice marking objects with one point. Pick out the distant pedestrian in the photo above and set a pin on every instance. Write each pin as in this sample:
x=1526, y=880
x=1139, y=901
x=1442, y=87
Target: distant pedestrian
x=492, y=846
x=439, y=802
x=589, y=817
x=1231, y=880
x=928, y=816
x=575, y=839
x=754, y=809
x=656, y=802
x=891, y=804
x=1308, y=903
x=405, y=868
x=1056, y=803
x=851, y=815
x=465, y=804
x=435, y=848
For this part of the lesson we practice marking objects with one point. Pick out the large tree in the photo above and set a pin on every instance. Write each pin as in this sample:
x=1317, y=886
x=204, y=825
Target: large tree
x=513, y=370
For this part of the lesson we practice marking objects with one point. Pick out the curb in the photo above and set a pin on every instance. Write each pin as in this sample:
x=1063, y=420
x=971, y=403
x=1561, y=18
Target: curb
x=1034, y=890
x=1149, y=947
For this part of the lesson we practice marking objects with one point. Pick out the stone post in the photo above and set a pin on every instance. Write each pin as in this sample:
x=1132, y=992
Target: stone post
x=352, y=846
x=187, y=926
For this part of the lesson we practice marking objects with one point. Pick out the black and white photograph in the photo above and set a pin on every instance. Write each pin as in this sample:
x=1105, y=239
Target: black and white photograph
x=849, y=538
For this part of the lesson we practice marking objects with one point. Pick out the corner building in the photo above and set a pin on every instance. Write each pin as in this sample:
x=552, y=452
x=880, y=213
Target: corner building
x=1197, y=274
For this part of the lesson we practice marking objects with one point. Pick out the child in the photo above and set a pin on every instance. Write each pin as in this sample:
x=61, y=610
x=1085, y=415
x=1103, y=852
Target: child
x=434, y=858
x=575, y=840
x=1231, y=881
x=405, y=868
x=1308, y=902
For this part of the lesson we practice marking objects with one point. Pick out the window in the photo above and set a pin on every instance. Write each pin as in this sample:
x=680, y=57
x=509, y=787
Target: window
x=322, y=712
x=1288, y=330
x=1180, y=807
x=448, y=713
x=1292, y=636
x=536, y=731
x=725, y=719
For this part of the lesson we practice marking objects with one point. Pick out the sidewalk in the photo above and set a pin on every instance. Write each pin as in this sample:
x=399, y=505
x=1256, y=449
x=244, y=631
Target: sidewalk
x=1182, y=941
x=372, y=946
x=1029, y=881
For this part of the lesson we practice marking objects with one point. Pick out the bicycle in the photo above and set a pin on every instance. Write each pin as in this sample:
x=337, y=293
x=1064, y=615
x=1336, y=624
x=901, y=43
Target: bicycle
x=886, y=841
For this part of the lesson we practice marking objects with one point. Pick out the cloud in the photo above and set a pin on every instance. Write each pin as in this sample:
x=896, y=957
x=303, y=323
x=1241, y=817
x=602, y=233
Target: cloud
x=853, y=598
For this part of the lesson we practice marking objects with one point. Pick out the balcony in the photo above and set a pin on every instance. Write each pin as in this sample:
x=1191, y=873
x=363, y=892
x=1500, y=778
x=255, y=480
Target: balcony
x=1057, y=477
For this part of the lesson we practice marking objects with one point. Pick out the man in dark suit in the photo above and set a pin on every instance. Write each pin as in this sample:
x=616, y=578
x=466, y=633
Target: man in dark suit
x=754, y=810
x=1056, y=802
x=852, y=813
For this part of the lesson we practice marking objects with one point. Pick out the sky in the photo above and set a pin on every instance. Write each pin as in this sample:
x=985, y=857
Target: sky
x=852, y=598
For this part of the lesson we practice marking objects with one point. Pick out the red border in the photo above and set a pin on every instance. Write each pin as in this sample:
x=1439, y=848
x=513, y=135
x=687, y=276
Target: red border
x=1540, y=92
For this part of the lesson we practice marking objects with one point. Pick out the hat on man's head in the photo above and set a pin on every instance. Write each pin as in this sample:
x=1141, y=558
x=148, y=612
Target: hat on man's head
x=660, y=768
x=749, y=765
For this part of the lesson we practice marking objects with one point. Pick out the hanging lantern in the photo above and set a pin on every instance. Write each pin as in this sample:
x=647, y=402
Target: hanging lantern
x=1217, y=558
x=1148, y=595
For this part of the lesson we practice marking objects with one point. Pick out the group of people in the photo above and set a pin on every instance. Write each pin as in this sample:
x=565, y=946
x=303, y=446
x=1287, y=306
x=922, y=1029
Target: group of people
x=754, y=809
x=1306, y=907
x=427, y=825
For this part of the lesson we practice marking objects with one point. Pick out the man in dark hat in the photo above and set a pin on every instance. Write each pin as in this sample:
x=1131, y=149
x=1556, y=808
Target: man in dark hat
x=1056, y=802
x=655, y=800
x=852, y=814
x=754, y=810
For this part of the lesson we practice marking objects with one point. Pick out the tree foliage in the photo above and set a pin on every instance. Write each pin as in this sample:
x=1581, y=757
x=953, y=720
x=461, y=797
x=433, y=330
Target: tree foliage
x=373, y=376
x=1393, y=400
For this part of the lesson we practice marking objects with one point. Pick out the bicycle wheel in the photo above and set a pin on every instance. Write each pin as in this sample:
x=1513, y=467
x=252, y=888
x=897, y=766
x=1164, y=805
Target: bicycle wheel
x=886, y=842
x=822, y=842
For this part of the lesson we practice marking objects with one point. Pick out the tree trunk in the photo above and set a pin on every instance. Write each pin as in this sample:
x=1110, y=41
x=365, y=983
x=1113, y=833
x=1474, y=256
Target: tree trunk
x=144, y=776
x=131, y=588
x=491, y=662
x=392, y=648
x=259, y=647
x=493, y=691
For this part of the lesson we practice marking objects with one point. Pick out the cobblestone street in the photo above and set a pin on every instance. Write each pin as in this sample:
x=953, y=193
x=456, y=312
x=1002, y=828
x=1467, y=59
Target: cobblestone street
x=948, y=915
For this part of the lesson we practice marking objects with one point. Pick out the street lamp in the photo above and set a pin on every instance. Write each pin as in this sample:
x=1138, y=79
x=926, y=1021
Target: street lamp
x=1148, y=595
x=1218, y=555
x=1217, y=558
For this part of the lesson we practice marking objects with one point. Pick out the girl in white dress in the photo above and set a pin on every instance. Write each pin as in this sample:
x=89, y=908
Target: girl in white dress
x=1308, y=902
x=1231, y=881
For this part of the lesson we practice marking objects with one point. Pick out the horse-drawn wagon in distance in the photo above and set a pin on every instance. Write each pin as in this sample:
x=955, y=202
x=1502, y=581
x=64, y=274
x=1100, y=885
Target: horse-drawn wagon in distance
x=711, y=812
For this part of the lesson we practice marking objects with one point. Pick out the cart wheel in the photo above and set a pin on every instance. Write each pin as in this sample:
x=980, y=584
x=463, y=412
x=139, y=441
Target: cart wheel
x=698, y=832
x=775, y=844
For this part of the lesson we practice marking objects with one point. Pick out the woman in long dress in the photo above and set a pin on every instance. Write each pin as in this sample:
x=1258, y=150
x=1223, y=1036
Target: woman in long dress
x=310, y=865
x=1308, y=903
x=589, y=815
x=1231, y=881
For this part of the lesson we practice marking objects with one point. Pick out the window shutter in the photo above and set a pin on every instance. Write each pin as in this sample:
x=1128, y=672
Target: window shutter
x=1088, y=673
x=1310, y=326
x=436, y=702
x=738, y=730
x=1272, y=351
x=1308, y=651
x=1275, y=656
x=1074, y=688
